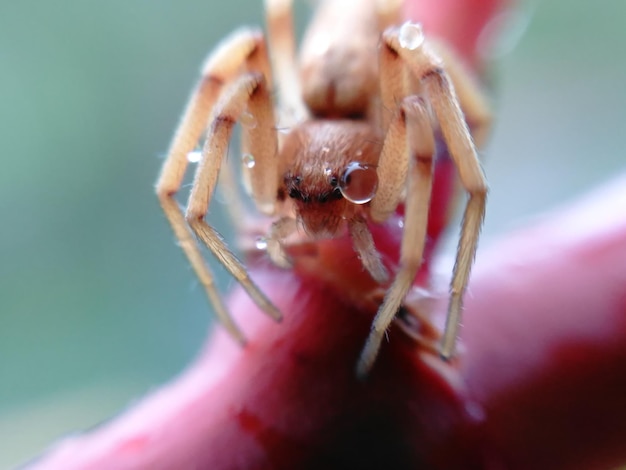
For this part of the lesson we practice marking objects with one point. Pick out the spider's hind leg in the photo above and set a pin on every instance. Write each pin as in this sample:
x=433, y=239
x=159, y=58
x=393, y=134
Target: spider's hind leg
x=428, y=67
x=410, y=143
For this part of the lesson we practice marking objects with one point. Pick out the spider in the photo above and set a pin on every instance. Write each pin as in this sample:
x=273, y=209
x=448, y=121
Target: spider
x=360, y=121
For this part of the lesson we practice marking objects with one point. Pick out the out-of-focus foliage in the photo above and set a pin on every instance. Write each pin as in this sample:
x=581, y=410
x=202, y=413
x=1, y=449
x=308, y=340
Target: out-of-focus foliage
x=97, y=304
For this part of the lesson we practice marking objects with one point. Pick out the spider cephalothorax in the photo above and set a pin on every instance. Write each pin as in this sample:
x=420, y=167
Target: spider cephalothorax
x=331, y=173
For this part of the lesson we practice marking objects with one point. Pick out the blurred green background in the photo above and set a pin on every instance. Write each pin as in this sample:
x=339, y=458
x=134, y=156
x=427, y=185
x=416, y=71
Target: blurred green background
x=97, y=304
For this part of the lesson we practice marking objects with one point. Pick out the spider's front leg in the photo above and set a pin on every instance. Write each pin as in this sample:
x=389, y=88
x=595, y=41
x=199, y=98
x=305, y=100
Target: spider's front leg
x=243, y=50
x=406, y=48
x=248, y=92
x=426, y=65
x=280, y=230
x=410, y=129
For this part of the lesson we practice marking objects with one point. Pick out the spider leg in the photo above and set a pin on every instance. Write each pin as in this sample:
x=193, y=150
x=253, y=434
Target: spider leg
x=363, y=243
x=248, y=91
x=472, y=98
x=392, y=84
x=226, y=62
x=418, y=137
x=240, y=217
x=393, y=165
x=280, y=230
x=427, y=66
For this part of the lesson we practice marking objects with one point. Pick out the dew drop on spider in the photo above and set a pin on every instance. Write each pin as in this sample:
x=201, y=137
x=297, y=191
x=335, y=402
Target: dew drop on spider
x=260, y=243
x=411, y=36
x=358, y=183
x=194, y=156
x=248, y=160
x=247, y=120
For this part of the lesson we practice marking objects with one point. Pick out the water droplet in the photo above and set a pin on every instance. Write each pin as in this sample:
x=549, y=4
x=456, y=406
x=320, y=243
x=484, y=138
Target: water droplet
x=248, y=160
x=400, y=223
x=260, y=243
x=359, y=182
x=411, y=36
x=328, y=171
x=247, y=120
x=194, y=156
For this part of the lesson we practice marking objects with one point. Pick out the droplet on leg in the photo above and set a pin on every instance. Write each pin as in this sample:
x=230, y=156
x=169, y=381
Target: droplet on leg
x=248, y=160
x=411, y=36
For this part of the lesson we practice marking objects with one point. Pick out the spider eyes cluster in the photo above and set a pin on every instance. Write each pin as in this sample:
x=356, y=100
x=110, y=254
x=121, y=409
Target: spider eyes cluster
x=357, y=184
x=295, y=191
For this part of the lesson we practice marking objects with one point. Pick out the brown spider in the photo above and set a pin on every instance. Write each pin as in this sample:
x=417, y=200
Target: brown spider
x=362, y=81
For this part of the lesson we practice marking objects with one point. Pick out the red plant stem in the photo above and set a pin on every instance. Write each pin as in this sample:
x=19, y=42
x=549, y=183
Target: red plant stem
x=546, y=340
x=542, y=383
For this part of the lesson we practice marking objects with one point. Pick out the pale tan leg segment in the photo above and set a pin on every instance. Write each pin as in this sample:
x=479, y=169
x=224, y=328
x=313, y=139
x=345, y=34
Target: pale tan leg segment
x=472, y=98
x=392, y=171
x=188, y=243
x=466, y=251
x=280, y=230
x=262, y=168
x=246, y=89
x=463, y=152
x=421, y=145
x=392, y=89
x=364, y=245
x=220, y=68
x=427, y=67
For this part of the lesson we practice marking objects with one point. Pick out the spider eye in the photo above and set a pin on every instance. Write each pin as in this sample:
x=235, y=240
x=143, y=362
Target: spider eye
x=359, y=182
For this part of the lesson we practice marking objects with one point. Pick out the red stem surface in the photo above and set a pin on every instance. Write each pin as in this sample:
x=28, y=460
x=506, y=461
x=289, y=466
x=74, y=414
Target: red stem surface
x=541, y=384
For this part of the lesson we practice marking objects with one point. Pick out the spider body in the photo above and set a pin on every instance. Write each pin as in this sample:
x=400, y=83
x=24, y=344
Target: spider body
x=357, y=141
